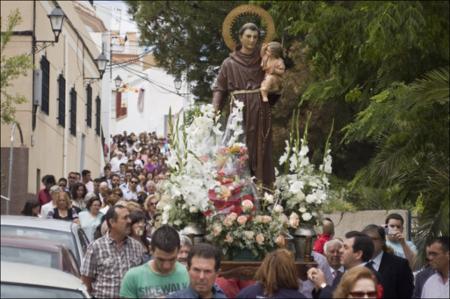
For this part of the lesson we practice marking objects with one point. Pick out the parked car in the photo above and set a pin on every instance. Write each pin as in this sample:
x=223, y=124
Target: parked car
x=29, y=281
x=43, y=253
x=63, y=232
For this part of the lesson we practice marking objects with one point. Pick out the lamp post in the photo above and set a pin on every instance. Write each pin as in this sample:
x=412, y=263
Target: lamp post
x=56, y=17
x=118, y=81
x=101, y=61
x=177, y=83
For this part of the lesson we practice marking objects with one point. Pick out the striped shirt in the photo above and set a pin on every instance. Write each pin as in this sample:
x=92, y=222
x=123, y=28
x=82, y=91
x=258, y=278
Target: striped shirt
x=107, y=264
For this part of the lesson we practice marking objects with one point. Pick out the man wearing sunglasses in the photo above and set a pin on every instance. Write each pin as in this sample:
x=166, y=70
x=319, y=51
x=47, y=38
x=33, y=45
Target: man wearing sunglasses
x=160, y=276
x=130, y=191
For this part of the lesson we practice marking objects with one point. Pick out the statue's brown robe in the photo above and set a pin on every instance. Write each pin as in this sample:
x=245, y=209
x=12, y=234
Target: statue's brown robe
x=243, y=72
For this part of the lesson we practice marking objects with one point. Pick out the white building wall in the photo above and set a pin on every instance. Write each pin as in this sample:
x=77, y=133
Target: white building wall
x=159, y=97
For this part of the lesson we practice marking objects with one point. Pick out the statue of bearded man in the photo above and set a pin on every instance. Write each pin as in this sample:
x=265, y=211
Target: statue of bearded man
x=240, y=77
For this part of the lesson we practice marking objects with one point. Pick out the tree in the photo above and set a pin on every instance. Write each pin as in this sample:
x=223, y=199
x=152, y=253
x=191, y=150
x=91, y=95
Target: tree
x=185, y=36
x=11, y=68
x=387, y=63
x=410, y=125
x=354, y=50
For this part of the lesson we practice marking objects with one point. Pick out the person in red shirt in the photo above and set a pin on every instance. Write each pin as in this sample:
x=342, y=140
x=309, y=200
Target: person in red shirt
x=326, y=235
x=44, y=195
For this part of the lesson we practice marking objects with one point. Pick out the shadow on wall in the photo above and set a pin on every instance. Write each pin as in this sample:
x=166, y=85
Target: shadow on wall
x=19, y=183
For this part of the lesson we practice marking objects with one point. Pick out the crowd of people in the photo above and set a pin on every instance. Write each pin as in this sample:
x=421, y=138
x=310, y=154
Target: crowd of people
x=132, y=256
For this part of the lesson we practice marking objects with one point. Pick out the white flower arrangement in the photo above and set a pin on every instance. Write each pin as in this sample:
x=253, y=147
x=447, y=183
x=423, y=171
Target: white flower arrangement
x=303, y=188
x=193, y=165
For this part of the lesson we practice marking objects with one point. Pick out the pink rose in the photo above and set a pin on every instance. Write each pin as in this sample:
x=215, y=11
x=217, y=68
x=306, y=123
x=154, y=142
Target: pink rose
x=242, y=219
x=232, y=216
x=260, y=239
x=258, y=219
x=217, y=229
x=229, y=238
x=266, y=219
x=247, y=205
x=228, y=222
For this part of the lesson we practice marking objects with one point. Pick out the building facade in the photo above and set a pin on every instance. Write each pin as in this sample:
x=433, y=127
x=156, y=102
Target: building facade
x=61, y=120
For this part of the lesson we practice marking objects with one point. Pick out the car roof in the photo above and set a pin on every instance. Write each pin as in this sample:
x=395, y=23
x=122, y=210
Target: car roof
x=37, y=275
x=35, y=222
x=31, y=243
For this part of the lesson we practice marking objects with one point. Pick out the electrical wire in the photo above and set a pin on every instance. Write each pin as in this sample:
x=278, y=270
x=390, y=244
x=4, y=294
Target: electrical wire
x=136, y=73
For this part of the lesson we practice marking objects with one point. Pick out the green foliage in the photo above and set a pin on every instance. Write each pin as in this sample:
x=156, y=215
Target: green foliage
x=366, y=62
x=410, y=124
x=11, y=68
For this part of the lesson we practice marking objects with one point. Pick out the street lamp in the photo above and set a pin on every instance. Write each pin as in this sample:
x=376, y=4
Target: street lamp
x=56, y=19
x=177, y=84
x=118, y=81
x=101, y=61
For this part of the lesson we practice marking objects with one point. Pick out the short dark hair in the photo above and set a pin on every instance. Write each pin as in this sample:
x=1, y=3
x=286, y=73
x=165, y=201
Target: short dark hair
x=396, y=217
x=111, y=214
x=49, y=179
x=443, y=240
x=91, y=201
x=165, y=238
x=115, y=174
x=249, y=26
x=99, y=180
x=377, y=229
x=137, y=216
x=62, y=180
x=206, y=251
x=362, y=243
x=85, y=172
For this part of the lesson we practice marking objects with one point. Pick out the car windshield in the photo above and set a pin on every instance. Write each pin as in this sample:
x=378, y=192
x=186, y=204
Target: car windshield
x=64, y=238
x=10, y=290
x=30, y=256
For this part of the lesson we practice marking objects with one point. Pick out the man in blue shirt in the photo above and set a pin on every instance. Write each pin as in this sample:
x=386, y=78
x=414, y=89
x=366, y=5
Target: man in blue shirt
x=203, y=264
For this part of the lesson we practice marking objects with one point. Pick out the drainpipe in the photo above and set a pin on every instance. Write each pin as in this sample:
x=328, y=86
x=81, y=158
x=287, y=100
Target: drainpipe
x=66, y=107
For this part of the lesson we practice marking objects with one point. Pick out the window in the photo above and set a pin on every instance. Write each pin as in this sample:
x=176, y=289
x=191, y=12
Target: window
x=121, y=108
x=45, y=67
x=89, y=106
x=97, y=115
x=73, y=112
x=61, y=101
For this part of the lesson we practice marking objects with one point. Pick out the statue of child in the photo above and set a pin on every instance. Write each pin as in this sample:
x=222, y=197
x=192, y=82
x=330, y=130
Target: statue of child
x=273, y=65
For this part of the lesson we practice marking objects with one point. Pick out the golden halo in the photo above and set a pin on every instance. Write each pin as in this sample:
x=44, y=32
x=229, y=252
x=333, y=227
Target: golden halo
x=240, y=10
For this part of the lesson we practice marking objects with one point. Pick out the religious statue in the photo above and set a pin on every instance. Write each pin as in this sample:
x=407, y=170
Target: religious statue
x=272, y=63
x=240, y=77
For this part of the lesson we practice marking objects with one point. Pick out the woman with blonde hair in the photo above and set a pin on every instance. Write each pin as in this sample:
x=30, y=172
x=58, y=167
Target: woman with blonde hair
x=63, y=209
x=358, y=282
x=276, y=278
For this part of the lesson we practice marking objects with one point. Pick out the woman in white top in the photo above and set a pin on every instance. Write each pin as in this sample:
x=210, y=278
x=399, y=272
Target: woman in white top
x=91, y=217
